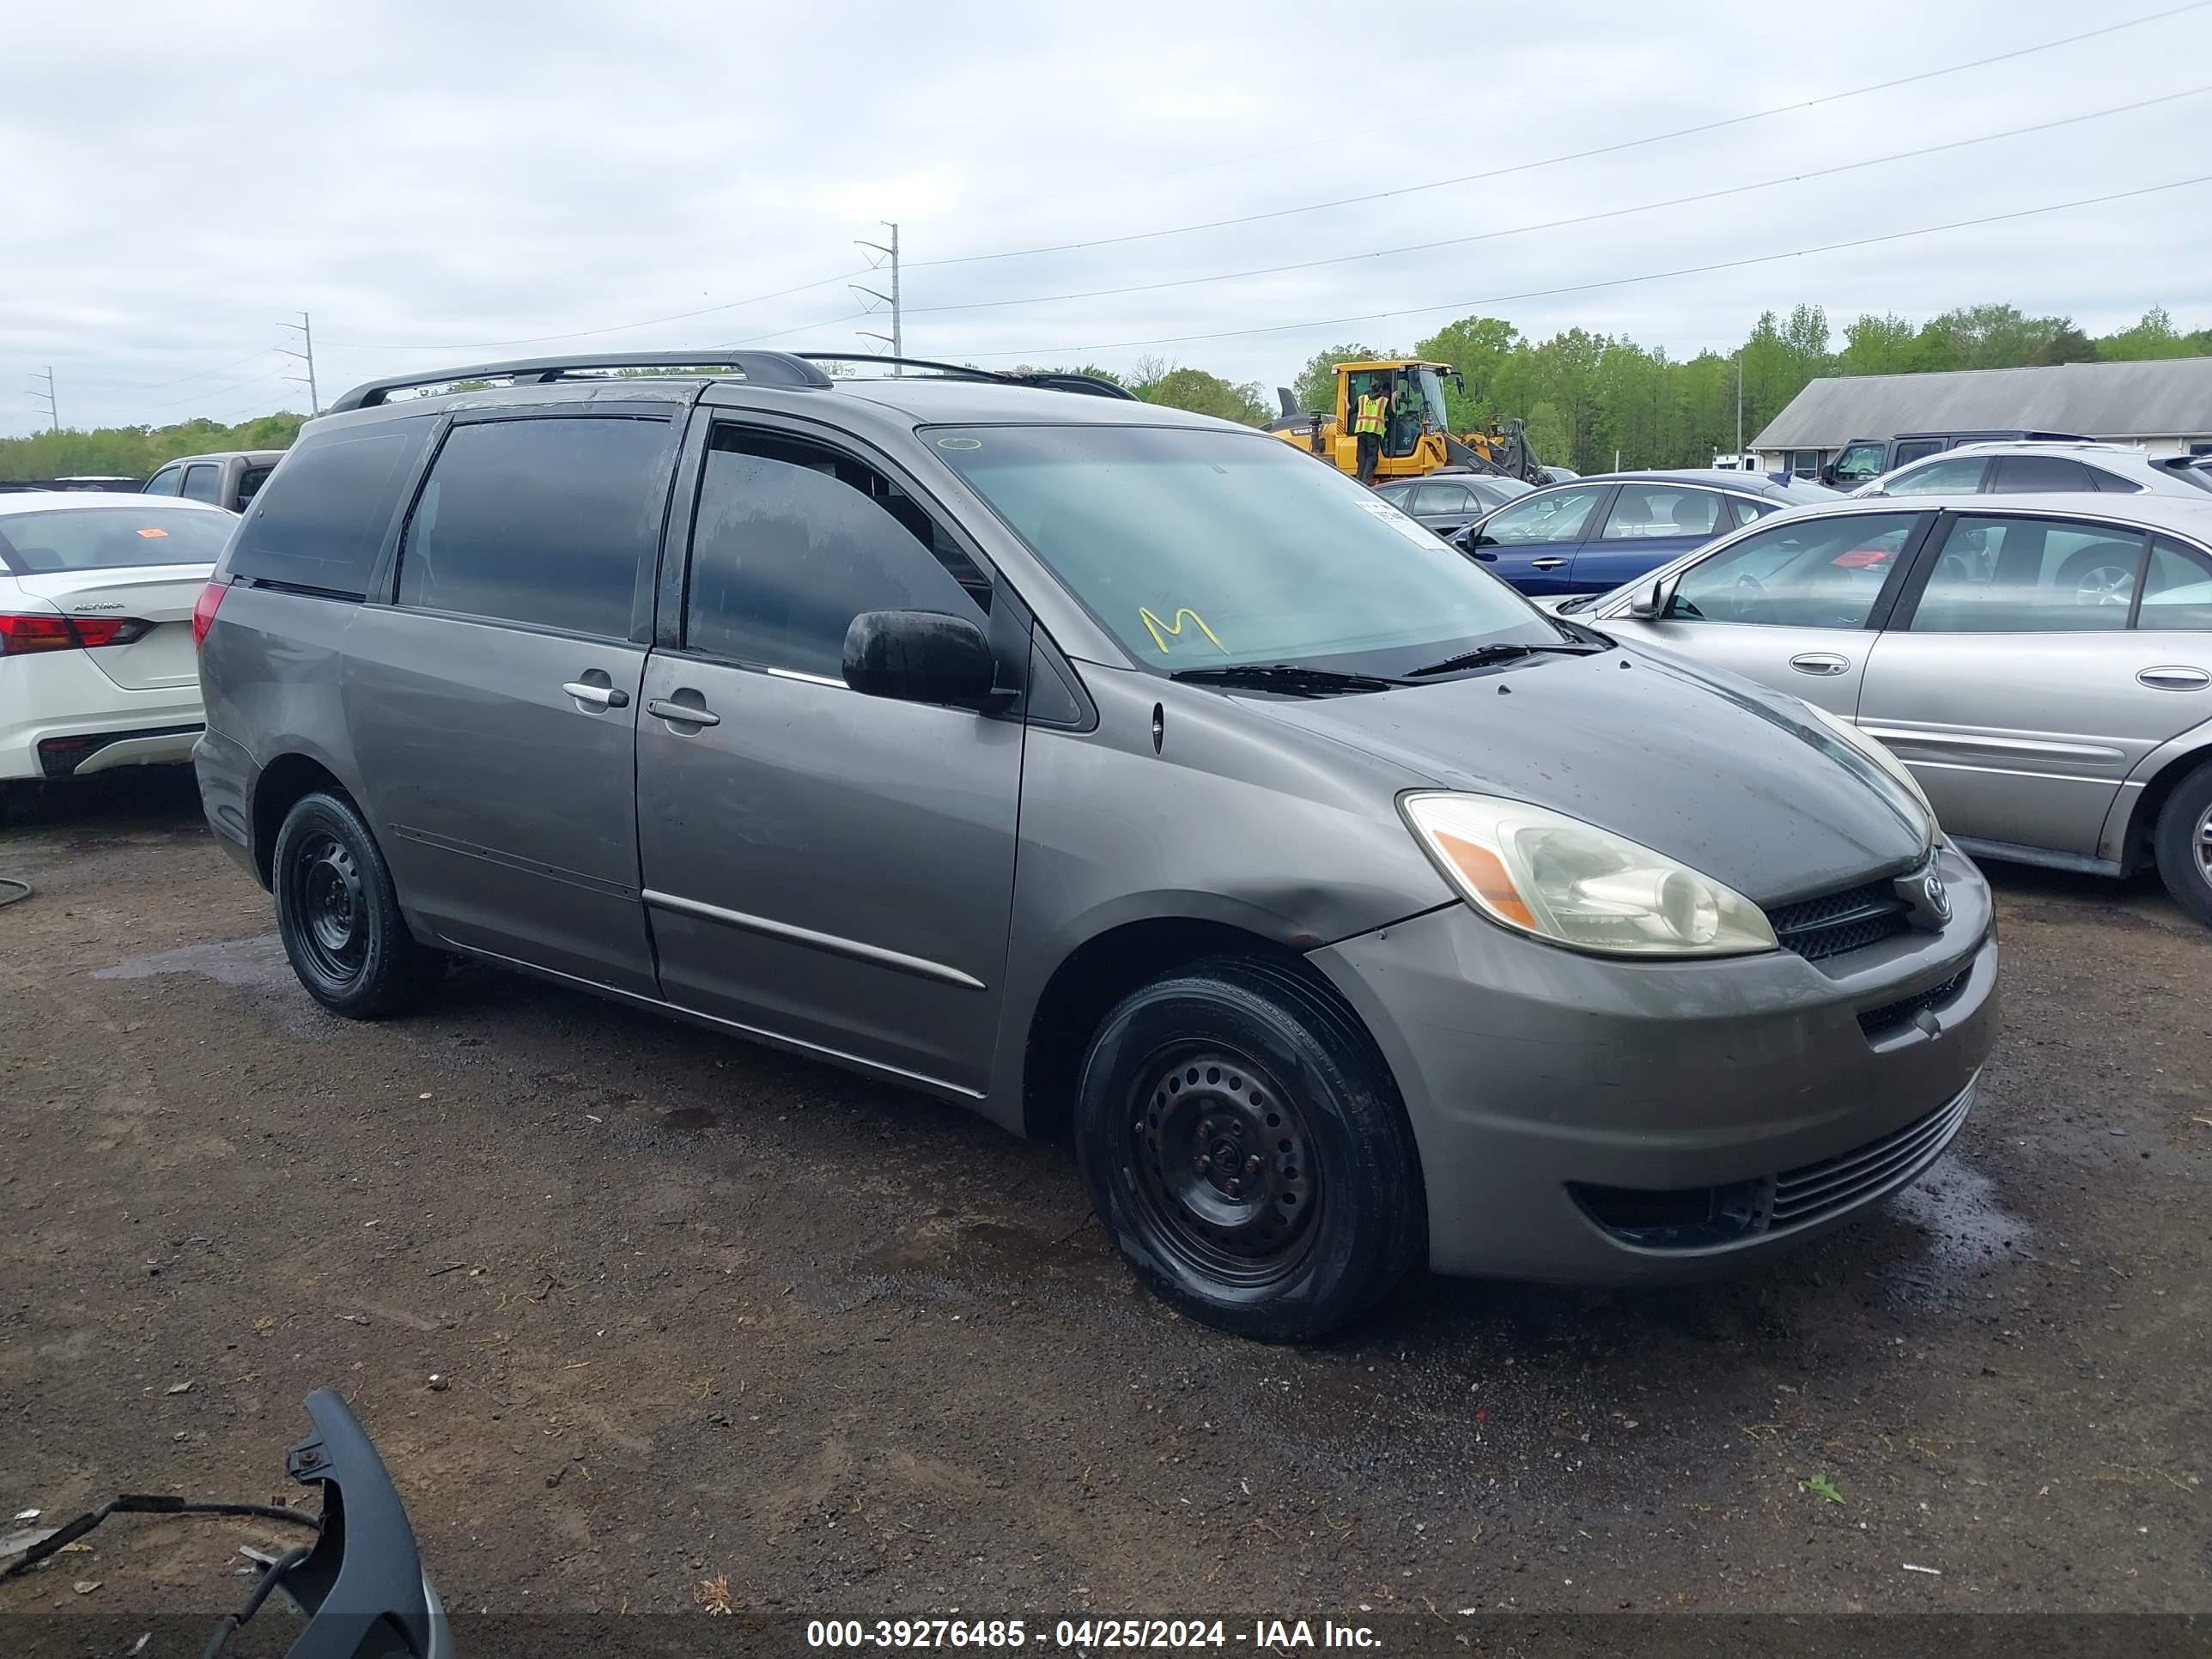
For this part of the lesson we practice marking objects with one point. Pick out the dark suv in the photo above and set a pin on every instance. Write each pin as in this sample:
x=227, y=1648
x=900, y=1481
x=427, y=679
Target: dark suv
x=1104, y=769
x=1864, y=459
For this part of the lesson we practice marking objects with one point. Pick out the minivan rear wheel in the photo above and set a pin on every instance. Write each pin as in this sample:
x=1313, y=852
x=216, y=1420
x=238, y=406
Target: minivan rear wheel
x=338, y=914
x=1247, y=1150
x=2183, y=843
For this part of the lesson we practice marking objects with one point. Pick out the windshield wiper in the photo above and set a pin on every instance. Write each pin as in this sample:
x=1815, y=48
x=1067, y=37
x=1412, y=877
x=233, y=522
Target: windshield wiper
x=1294, y=678
x=1483, y=655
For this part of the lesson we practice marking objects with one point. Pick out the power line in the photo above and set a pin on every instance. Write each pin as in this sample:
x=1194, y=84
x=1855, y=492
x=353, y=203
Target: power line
x=157, y=386
x=206, y=392
x=617, y=328
x=1315, y=207
x=1576, y=156
x=1561, y=224
x=1047, y=352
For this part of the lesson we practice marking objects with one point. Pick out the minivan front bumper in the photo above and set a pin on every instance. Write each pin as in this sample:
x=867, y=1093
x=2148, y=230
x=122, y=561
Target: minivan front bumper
x=1593, y=1119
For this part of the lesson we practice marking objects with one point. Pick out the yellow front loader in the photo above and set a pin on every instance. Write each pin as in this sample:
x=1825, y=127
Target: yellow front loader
x=1417, y=439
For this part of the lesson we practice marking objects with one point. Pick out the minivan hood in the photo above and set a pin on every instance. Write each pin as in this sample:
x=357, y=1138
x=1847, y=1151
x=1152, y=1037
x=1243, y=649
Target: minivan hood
x=1705, y=766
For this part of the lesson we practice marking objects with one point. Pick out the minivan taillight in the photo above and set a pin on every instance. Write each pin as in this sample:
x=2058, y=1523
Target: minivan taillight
x=22, y=635
x=203, y=609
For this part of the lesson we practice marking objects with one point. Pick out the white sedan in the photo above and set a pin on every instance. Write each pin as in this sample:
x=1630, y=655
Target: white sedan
x=97, y=668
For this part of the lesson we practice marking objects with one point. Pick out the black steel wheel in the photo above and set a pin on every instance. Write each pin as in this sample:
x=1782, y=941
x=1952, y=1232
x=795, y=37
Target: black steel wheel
x=323, y=884
x=338, y=914
x=1247, y=1150
x=1224, y=1164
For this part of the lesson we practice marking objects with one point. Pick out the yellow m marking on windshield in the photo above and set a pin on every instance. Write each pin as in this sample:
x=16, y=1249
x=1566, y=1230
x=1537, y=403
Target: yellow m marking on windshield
x=1162, y=632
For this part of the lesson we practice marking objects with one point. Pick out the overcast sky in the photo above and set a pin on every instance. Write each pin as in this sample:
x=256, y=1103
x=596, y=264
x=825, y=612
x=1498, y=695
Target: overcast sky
x=444, y=183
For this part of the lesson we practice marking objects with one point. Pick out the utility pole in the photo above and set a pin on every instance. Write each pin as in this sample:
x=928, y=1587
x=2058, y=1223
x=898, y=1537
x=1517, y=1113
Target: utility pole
x=896, y=339
x=1739, y=405
x=54, y=410
x=305, y=328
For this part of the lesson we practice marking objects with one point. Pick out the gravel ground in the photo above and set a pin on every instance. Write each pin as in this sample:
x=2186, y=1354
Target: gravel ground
x=708, y=1312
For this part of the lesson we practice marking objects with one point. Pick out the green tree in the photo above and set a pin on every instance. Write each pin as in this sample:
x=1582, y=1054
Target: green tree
x=1314, y=389
x=1478, y=348
x=1202, y=393
x=134, y=452
x=2000, y=336
x=2155, y=336
x=1878, y=345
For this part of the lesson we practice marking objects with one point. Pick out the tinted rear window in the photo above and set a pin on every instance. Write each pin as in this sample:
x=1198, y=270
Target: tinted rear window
x=320, y=518
x=111, y=537
x=547, y=522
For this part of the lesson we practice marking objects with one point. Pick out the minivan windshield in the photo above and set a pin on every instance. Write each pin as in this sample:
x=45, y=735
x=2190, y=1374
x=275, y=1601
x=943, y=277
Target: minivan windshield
x=1202, y=549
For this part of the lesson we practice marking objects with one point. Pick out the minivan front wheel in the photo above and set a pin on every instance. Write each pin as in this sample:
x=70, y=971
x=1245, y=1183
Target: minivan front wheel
x=1247, y=1150
x=339, y=914
x=2183, y=843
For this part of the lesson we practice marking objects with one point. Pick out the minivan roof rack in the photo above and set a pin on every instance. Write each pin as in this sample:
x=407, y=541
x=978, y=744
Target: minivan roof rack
x=1051, y=380
x=761, y=368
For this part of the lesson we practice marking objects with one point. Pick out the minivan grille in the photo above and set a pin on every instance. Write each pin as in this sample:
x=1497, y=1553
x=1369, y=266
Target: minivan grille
x=1700, y=1217
x=1835, y=922
x=1895, y=1016
x=1804, y=1196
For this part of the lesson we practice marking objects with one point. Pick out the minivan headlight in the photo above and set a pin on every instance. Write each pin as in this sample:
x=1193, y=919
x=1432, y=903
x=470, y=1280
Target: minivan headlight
x=1879, y=753
x=1561, y=879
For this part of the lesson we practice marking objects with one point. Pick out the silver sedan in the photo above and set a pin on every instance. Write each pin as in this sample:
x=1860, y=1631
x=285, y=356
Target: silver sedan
x=2043, y=663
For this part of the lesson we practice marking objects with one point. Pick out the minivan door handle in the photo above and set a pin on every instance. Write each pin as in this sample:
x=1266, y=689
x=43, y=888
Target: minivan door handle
x=1546, y=564
x=599, y=696
x=1819, y=662
x=2175, y=676
x=682, y=713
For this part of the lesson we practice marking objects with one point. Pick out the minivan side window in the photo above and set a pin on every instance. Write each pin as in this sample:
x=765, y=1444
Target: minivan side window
x=792, y=541
x=166, y=481
x=319, y=523
x=1818, y=573
x=543, y=521
x=2006, y=575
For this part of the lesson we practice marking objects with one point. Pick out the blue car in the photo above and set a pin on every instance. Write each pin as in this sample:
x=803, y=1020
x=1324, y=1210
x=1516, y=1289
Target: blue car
x=1597, y=532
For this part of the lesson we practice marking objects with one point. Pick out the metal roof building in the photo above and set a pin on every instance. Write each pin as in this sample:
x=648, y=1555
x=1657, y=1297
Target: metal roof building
x=2165, y=405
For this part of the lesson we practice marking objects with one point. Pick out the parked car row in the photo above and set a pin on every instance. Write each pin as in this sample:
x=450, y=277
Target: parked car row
x=1603, y=530
x=2043, y=663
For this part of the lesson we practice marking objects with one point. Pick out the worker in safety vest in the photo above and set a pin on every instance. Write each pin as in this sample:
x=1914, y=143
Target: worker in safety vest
x=1370, y=414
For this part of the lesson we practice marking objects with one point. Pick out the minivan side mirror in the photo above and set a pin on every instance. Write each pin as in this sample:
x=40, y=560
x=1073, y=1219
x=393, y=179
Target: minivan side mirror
x=1652, y=602
x=920, y=656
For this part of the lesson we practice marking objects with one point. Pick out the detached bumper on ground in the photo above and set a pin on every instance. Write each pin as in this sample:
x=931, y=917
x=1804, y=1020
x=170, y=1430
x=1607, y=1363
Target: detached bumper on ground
x=1595, y=1121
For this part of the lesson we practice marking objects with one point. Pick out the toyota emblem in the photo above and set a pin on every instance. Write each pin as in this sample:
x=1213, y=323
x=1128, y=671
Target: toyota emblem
x=1938, y=900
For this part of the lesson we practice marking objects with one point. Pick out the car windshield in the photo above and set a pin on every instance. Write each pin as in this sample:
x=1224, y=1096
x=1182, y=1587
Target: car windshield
x=136, y=532
x=1199, y=549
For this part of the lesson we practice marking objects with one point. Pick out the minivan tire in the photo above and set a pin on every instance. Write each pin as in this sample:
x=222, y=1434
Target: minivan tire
x=1248, y=1152
x=2184, y=855
x=338, y=914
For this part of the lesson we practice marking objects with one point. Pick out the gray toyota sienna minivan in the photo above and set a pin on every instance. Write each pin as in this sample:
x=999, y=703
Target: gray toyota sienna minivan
x=1109, y=769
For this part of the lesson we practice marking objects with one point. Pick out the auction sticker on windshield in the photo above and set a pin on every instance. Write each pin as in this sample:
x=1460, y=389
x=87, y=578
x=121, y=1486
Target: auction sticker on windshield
x=1409, y=528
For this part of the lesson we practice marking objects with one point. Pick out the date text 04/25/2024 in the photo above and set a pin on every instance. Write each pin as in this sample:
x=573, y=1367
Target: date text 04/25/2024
x=1089, y=1634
